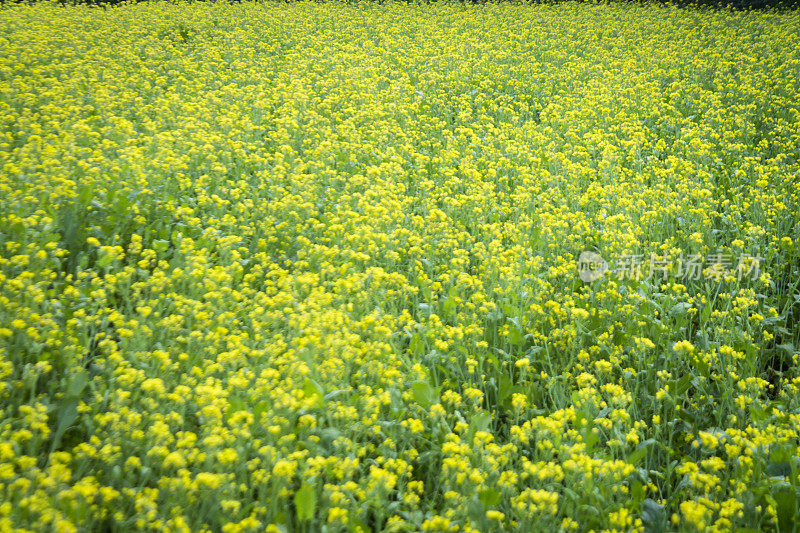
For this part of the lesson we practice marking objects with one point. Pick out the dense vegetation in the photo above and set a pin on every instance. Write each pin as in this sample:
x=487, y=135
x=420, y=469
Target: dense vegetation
x=703, y=4
x=314, y=267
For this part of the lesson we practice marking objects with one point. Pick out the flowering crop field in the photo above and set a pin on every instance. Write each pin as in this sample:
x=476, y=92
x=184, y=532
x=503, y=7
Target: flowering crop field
x=331, y=267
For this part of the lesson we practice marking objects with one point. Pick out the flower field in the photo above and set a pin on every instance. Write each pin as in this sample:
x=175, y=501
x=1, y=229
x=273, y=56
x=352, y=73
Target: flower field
x=322, y=267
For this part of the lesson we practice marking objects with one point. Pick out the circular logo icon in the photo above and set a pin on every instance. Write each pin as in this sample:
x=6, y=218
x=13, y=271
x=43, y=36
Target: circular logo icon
x=591, y=266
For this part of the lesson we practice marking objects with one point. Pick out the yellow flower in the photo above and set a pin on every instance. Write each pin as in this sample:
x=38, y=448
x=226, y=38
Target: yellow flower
x=337, y=515
x=683, y=347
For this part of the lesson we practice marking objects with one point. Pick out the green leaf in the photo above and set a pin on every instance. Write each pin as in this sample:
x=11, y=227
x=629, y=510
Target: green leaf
x=336, y=393
x=489, y=497
x=234, y=405
x=688, y=417
x=637, y=455
x=305, y=502
x=682, y=385
x=65, y=416
x=779, y=469
x=637, y=491
x=312, y=389
x=160, y=245
x=705, y=315
x=504, y=387
x=77, y=384
x=476, y=510
x=788, y=348
x=448, y=306
x=786, y=504
x=758, y=414
x=576, y=398
x=653, y=516
x=85, y=195
x=680, y=309
x=328, y=435
x=481, y=421
x=424, y=393
x=781, y=454
x=122, y=205
x=591, y=438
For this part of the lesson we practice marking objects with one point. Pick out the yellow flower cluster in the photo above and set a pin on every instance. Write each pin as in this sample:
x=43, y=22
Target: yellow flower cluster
x=289, y=267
